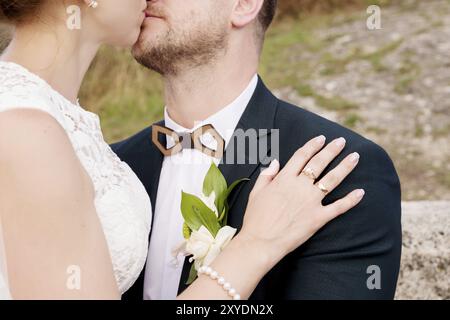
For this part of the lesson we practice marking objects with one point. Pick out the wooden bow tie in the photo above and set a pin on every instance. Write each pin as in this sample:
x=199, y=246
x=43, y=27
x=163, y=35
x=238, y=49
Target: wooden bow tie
x=186, y=140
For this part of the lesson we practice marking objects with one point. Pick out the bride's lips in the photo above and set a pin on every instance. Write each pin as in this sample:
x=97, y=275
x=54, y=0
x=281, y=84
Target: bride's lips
x=151, y=15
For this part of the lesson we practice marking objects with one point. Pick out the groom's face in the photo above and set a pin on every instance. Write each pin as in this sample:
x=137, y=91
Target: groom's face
x=182, y=33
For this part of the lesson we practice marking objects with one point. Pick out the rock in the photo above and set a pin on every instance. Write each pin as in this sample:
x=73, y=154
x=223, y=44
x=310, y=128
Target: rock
x=344, y=39
x=331, y=86
x=429, y=82
x=396, y=36
x=425, y=266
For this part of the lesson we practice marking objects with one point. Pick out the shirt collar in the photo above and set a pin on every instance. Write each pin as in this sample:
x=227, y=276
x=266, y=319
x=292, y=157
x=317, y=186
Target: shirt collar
x=225, y=121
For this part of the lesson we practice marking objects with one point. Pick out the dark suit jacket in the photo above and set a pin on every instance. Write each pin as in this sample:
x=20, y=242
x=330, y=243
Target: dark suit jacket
x=334, y=263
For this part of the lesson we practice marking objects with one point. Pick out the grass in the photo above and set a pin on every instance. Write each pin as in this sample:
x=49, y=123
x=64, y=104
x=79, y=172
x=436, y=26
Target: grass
x=376, y=58
x=376, y=130
x=305, y=90
x=287, y=41
x=444, y=178
x=408, y=72
x=441, y=132
x=127, y=96
x=296, y=7
x=283, y=64
x=352, y=120
x=434, y=25
x=418, y=131
x=335, y=103
x=334, y=65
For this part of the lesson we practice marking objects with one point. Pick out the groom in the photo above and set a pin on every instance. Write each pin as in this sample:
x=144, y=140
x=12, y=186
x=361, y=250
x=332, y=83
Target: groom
x=208, y=53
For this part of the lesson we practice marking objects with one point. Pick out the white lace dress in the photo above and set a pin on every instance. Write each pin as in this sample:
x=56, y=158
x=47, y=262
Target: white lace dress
x=122, y=203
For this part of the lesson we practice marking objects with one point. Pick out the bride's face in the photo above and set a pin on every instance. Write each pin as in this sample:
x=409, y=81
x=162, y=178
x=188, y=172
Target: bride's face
x=118, y=22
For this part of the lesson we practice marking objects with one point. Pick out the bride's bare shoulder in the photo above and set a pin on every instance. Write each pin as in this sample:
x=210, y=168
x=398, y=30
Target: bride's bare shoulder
x=30, y=128
x=36, y=148
x=47, y=207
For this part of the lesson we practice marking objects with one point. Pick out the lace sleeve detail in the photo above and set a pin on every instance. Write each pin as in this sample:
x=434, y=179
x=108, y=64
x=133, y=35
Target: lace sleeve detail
x=18, y=92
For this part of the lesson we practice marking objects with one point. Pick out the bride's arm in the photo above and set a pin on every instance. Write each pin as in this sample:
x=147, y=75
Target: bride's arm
x=50, y=225
x=284, y=211
x=243, y=264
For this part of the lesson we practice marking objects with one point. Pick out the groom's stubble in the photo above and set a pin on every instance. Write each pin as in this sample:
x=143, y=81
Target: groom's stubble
x=187, y=43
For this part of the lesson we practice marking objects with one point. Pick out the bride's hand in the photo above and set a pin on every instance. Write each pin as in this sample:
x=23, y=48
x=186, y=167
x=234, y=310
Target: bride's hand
x=285, y=208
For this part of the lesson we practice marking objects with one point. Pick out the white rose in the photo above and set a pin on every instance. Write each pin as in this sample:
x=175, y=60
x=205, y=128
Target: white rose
x=205, y=248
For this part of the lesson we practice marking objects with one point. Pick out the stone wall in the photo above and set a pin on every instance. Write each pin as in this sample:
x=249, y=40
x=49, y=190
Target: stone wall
x=425, y=267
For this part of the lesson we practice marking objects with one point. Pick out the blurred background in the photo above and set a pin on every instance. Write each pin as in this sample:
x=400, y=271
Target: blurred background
x=391, y=85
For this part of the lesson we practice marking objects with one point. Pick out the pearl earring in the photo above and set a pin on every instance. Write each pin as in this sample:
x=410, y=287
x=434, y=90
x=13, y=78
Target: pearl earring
x=93, y=4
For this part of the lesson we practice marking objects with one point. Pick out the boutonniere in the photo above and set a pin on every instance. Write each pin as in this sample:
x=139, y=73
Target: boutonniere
x=205, y=227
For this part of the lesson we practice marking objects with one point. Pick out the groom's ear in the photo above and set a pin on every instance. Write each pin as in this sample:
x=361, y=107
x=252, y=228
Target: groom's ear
x=245, y=12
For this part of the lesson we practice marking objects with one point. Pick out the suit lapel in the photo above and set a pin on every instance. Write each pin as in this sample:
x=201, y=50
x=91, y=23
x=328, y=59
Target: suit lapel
x=157, y=159
x=259, y=114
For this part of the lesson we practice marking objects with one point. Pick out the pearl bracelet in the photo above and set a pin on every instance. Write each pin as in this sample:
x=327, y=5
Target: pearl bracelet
x=208, y=271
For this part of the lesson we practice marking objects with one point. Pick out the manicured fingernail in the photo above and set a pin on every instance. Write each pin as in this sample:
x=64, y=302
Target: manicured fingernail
x=321, y=139
x=272, y=169
x=360, y=193
x=340, y=142
x=274, y=164
x=354, y=157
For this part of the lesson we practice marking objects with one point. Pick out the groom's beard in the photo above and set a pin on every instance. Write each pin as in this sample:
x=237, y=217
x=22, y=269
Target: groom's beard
x=179, y=49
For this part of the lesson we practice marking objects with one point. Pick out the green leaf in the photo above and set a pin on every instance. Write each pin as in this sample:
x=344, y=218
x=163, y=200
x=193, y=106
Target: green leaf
x=230, y=189
x=197, y=214
x=222, y=215
x=192, y=275
x=234, y=185
x=222, y=199
x=215, y=181
x=223, y=219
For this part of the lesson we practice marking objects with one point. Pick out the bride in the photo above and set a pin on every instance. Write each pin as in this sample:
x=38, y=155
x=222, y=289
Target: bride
x=69, y=206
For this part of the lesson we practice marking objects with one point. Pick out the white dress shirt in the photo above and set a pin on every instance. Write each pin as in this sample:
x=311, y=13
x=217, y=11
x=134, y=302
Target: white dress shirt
x=183, y=171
